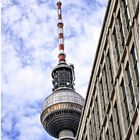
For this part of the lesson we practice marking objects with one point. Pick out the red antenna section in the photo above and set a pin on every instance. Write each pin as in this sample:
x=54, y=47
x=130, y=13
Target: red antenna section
x=61, y=55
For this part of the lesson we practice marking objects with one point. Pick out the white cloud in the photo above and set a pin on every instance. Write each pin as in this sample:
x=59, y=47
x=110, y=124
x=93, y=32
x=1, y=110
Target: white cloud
x=103, y=2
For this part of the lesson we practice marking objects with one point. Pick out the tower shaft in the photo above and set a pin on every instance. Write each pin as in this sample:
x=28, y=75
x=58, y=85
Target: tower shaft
x=66, y=135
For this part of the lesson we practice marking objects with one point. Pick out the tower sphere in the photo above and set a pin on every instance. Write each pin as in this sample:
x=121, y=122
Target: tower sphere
x=62, y=110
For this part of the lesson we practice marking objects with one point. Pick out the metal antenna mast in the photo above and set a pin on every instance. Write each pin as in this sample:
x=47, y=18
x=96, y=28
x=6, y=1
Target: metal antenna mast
x=60, y=25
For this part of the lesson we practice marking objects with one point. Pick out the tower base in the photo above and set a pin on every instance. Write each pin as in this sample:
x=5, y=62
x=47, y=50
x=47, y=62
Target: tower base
x=66, y=135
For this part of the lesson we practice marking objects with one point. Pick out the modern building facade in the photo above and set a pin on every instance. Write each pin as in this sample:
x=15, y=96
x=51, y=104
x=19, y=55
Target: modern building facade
x=62, y=109
x=112, y=103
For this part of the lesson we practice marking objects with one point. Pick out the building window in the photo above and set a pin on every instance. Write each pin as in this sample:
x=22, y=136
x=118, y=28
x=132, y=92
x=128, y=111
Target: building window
x=117, y=123
x=134, y=56
x=105, y=89
x=124, y=105
x=107, y=135
x=132, y=96
x=121, y=29
x=137, y=134
x=93, y=125
x=98, y=115
x=108, y=73
x=111, y=129
x=86, y=138
x=134, y=72
x=102, y=100
x=84, y=132
x=117, y=54
x=130, y=82
x=97, y=119
x=126, y=12
x=90, y=130
x=113, y=47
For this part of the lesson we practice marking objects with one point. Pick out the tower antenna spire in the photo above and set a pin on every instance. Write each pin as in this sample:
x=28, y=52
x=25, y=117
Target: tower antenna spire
x=60, y=25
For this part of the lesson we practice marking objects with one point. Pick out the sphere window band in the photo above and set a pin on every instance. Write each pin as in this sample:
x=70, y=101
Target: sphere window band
x=63, y=96
x=62, y=106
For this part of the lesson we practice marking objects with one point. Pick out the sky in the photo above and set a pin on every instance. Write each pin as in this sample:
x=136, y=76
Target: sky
x=30, y=51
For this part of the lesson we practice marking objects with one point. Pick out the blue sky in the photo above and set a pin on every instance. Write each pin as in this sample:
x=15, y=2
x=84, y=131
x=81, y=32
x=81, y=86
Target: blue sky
x=29, y=53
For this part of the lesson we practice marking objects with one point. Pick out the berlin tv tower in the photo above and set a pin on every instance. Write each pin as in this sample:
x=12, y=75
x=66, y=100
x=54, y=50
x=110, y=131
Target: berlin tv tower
x=62, y=109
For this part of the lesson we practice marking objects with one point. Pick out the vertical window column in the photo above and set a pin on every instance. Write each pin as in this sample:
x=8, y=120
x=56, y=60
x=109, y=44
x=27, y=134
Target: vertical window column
x=111, y=129
x=109, y=75
x=134, y=75
x=118, y=35
x=121, y=29
x=131, y=5
x=117, y=123
x=126, y=13
x=91, y=131
x=94, y=125
x=129, y=90
x=105, y=89
x=123, y=17
x=97, y=120
x=102, y=100
x=112, y=53
x=124, y=105
x=116, y=50
x=107, y=135
x=137, y=135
